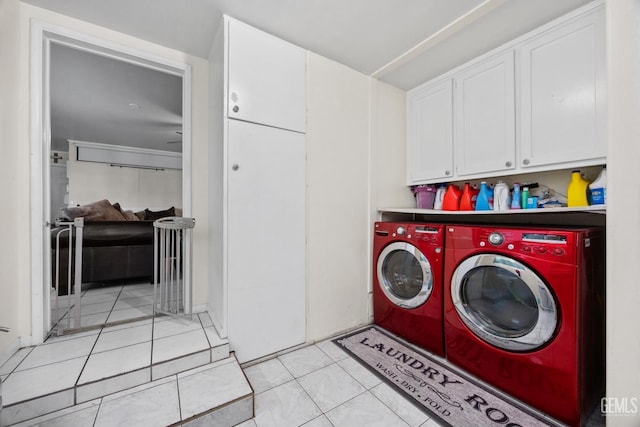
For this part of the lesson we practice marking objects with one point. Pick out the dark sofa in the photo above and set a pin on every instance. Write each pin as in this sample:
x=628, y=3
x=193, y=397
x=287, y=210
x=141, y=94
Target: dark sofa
x=112, y=250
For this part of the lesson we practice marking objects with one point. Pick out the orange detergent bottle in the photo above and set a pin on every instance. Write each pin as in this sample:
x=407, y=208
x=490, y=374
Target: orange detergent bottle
x=451, y=200
x=468, y=198
x=577, y=190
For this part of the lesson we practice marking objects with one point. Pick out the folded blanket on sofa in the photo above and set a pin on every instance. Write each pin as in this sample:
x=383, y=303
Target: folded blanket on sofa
x=103, y=210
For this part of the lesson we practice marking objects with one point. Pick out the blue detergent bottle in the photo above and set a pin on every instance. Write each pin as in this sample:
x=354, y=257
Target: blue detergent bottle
x=516, y=199
x=483, y=202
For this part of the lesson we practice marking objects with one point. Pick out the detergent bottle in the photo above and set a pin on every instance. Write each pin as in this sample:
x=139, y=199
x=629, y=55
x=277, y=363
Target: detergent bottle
x=451, y=200
x=439, y=199
x=525, y=197
x=483, y=202
x=468, y=198
x=598, y=188
x=501, y=197
x=516, y=199
x=577, y=190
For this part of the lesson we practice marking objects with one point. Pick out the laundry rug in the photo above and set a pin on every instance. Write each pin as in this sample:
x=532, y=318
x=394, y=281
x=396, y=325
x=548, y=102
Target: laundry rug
x=449, y=398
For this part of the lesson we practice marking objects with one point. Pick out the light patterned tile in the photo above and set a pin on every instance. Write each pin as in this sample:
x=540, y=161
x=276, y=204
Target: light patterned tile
x=124, y=303
x=430, y=423
x=130, y=313
x=166, y=326
x=332, y=350
x=75, y=335
x=400, y=405
x=306, y=360
x=152, y=406
x=229, y=415
x=27, y=384
x=364, y=411
x=287, y=405
x=178, y=345
x=359, y=372
x=248, y=423
x=330, y=386
x=205, y=388
x=94, y=390
x=94, y=319
x=15, y=360
x=81, y=415
x=95, y=308
x=36, y=407
x=46, y=354
x=321, y=421
x=108, y=340
x=180, y=364
x=117, y=361
x=267, y=375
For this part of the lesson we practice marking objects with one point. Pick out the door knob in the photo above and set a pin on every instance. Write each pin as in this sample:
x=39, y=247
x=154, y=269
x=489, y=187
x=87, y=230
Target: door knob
x=236, y=108
x=235, y=167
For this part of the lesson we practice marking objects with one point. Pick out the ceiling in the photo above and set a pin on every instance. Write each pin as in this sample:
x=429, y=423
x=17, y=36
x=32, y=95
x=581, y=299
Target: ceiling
x=403, y=43
x=99, y=99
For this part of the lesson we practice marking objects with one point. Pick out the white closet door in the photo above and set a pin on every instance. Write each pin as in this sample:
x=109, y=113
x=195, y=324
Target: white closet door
x=266, y=78
x=266, y=239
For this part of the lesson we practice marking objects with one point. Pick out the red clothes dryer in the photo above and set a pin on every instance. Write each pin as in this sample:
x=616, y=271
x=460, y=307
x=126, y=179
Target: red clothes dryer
x=407, y=282
x=524, y=311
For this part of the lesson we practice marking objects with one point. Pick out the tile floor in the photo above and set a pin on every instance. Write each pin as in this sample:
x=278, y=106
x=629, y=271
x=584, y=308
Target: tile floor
x=107, y=304
x=320, y=385
x=81, y=367
x=316, y=386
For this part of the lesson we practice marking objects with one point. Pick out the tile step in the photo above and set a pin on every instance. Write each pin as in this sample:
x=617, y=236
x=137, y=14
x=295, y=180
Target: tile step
x=89, y=396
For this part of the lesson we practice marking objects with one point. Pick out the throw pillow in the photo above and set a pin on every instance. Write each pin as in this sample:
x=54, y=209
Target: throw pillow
x=128, y=215
x=152, y=216
x=101, y=210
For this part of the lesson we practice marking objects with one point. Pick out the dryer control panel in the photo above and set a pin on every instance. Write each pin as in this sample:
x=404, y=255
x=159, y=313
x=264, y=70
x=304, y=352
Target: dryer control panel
x=544, y=244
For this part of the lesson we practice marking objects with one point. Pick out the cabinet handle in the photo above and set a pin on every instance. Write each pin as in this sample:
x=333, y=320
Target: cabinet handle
x=508, y=164
x=235, y=167
x=236, y=108
x=447, y=173
x=525, y=161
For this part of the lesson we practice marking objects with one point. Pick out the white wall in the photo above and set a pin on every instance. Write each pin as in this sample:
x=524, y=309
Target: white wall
x=12, y=249
x=623, y=206
x=337, y=197
x=135, y=189
x=389, y=129
x=17, y=166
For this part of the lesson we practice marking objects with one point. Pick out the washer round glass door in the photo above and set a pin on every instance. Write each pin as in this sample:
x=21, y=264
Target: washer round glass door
x=405, y=275
x=504, y=302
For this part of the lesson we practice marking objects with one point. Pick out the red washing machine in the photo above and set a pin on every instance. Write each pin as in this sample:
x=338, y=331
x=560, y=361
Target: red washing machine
x=407, y=282
x=524, y=311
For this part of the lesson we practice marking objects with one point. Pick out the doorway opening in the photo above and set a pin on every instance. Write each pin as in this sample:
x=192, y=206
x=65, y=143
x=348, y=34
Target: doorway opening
x=110, y=133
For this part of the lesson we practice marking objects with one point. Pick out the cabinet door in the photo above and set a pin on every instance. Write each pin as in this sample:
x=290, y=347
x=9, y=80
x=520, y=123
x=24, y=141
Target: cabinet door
x=485, y=116
x=563, y=72
x=266, y=79
x=430, y=133
x=266, y=239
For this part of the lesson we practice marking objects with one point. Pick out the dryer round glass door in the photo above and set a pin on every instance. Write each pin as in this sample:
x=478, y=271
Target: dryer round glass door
x=504, y=302
x=405, y=275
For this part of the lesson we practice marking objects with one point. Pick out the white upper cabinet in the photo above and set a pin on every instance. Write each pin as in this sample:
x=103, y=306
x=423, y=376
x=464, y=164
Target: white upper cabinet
x=535, y=104
x=563, y=73
x=485, y=116
x=266, y=79
x=430, y=132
